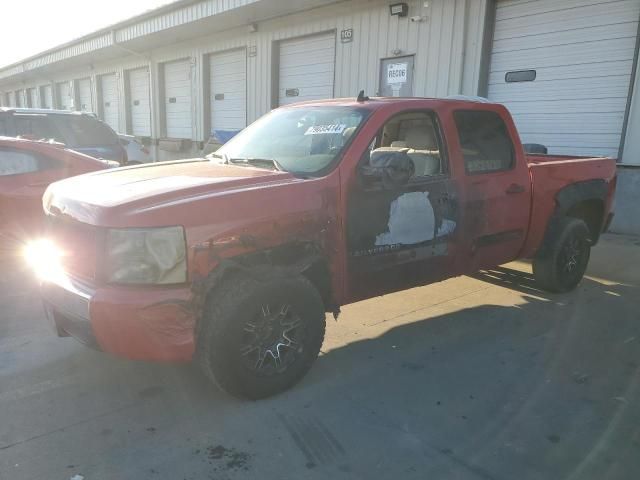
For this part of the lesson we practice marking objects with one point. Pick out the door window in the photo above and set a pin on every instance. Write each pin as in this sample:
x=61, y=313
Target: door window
x=485, y=141
x=415, y=134
x=36, y=127
x=15, y=162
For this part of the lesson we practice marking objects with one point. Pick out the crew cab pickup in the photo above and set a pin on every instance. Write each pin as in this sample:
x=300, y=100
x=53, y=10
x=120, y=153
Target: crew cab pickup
x=234, y=260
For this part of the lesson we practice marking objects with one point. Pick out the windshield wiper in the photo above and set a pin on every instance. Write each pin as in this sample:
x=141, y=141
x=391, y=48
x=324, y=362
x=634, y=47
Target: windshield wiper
x=221, y=156
x=258, y=162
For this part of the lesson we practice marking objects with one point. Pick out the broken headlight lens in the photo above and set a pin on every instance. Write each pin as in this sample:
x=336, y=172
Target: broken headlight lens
x=153, y=256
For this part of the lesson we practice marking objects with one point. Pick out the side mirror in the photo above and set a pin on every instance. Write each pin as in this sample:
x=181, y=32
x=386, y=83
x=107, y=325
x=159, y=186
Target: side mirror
x=393, y=167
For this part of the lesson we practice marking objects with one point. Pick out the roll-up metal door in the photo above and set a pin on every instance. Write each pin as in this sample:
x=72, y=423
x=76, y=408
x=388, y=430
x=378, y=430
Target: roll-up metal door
x=20, y=103
x=64, y=96
x=109, y=100
x=46, y=96
x=33, y=97
x=140, y=102
x=563, y=70
x=177, y=99
x=307, y=67
x=228, y=90
x=84, y=95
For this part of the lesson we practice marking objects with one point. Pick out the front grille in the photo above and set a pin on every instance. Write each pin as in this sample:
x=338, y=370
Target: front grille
x=79, y=243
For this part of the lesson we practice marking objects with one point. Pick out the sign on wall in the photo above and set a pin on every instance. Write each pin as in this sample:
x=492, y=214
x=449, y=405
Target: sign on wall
x=346, y=36
x=396, y=77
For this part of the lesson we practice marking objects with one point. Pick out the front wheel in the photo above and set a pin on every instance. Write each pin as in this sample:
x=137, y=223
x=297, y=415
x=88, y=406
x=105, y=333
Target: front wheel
x=259, y=338
x=561, y=263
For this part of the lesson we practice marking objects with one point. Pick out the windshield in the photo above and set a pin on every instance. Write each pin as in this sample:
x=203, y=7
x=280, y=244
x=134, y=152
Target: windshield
x=300, y=140
x=84, y=131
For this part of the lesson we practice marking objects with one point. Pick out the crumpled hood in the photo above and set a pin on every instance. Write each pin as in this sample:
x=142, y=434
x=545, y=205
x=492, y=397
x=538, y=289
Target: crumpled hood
x=85, y=196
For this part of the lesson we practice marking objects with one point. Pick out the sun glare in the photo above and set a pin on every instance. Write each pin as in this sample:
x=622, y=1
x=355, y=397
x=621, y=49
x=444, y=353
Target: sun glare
x=45, y=259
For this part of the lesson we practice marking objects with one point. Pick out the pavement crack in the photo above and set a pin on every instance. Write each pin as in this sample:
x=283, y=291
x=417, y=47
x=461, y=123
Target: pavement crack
x=71, y=425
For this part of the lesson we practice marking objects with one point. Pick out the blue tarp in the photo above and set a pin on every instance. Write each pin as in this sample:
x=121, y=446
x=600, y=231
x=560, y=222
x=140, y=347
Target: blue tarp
x=223, y=136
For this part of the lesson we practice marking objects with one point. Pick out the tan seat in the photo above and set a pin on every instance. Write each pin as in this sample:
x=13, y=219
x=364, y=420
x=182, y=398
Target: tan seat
x=423, y=150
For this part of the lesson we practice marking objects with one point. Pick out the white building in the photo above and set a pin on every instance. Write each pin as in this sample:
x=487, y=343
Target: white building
x=565, y=68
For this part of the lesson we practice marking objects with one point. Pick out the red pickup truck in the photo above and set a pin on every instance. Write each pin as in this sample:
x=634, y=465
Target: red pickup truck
x=234, y=260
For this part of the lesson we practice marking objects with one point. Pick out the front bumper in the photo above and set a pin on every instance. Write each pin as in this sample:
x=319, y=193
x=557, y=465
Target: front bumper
x=138, y=323
x=67, y=308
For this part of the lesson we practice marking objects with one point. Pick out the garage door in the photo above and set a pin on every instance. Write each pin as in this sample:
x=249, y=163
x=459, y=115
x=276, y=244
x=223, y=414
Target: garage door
x=109, y=100
x=563, y=69
x=20, y=103
x=228, y=89
x=33, y=97
x=306, y=68
x=177, y=99
x=64, y=96
x=84, y=95
x=46, y=97
x=139, y=102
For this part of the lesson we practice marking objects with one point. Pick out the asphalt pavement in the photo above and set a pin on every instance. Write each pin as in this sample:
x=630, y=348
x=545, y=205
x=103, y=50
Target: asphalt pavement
x=482, y=377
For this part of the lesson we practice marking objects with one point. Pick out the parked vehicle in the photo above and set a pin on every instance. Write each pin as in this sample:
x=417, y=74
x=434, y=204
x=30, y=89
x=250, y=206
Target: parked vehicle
x=233, y=260
x=79, y=131
x=26, y=170
x=137, y=152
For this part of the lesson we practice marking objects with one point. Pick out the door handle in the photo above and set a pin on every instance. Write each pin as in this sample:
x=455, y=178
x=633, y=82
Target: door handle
x=514, y=188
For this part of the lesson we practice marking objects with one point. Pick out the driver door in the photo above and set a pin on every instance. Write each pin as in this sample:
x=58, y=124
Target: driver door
x=401, y=235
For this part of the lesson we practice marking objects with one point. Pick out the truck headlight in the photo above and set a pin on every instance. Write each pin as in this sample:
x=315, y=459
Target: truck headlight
x=149, y=256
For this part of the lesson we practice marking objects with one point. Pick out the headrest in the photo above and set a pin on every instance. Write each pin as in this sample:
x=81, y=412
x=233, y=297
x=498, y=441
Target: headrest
x=421, y=138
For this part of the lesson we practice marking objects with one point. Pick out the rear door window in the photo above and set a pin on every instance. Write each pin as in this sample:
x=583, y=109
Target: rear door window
x=84, y=131
x=16, y=162
x=37, y=127
x=485, y=141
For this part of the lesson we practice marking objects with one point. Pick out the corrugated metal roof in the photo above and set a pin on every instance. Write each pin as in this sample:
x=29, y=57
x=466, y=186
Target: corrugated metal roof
x=171, y=15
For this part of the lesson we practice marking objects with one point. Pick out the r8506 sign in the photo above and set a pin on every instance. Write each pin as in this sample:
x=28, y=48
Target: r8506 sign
x=397, y=73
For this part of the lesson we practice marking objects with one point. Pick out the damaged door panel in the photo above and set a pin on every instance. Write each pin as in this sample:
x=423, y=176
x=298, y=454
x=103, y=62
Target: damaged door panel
x=399, y=235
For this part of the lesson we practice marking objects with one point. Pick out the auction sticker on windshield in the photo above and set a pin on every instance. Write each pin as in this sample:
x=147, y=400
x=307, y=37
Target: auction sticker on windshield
x=325, y=129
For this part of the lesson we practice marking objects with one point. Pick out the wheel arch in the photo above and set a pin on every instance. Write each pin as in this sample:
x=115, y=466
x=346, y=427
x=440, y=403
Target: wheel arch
x=586, y=201
x=292, y=258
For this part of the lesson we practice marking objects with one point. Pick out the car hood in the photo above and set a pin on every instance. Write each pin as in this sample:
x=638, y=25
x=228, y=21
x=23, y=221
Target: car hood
x=86, y=197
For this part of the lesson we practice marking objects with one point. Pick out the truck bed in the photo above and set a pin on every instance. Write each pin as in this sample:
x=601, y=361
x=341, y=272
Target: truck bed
x=549, y=174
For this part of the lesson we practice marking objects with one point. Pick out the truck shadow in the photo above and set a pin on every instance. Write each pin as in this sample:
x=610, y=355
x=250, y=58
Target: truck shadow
x=547, y=388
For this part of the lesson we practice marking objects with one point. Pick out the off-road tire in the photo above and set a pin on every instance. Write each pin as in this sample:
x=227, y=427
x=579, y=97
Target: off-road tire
x=221, y=333
x=550, y=264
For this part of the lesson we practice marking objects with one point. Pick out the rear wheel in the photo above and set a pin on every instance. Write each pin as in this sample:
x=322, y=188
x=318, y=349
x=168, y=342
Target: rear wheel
x=560, y=265
x=260, y=338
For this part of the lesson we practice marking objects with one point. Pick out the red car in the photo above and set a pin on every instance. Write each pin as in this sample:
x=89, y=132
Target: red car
x=233, y=260
x=26, y=170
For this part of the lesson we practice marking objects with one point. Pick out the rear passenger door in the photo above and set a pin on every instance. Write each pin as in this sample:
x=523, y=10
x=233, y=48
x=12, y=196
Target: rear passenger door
x=402, y=236
x=496, y=189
